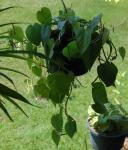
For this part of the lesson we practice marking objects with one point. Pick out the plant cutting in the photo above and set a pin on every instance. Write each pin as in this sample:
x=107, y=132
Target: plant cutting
x=70, y=46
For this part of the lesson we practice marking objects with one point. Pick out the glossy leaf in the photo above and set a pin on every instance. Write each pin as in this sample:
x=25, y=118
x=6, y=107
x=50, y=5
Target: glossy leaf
x=93, y=51
x=57, y=122
x=70, y=127
x=122, y=52
x=107, y=72
x=37, y=70
x=72, y=50
x=99, y=97
x=41, y=89
x=17, y=33
x=96, y=20
x=83, y=38
x=33, y=33
x=55, y=137
x=44, y=16
x=56, y=97
x=45, y=32
x=60, y=82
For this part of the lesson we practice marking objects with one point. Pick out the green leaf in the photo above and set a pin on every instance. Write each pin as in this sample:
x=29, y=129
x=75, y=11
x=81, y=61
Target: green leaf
x=55, y=137
x=70, y=12
x=17, y=33
x=60, y=82
x=10, y=23
x=3, y=9
x=44, y=16
x=33, y=33
x=56, y=97
x=92, y=52
x=122, y=52
x=99, y=97
x=99, y=93
x=41, y=89
x=57, y=122
x=96, y=20
x=83, y=38
x=8, y=78
x=37, y=70
x=72, y=50
x=70, y=127
x=10, y=53
x=6, y=91
x=15, y=104
x=5, y=110
x=45, y=32
x=50, y=50
x=107, y=72
x=13, y=70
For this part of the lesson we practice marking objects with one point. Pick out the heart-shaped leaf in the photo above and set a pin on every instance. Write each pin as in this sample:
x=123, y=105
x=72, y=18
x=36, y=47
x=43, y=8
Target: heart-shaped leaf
x=99, y=97
x=41, y=89
x=17, y=33
x=57, y=122
x=107, y=72
x=122, y=52
x=37, y=70
x=72, y=50
x=60, y=82
x=33, y=33
x=44, y=16
x=70, y=127
x=55, y=137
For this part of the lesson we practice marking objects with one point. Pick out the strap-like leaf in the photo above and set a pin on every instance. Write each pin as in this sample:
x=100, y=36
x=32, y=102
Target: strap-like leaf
x=6, y=53
x=6, y=91
x=5, y=110
x=12, y=23
x=8, y=78
x=13, y=70
x=3, y=9
x=14, y=103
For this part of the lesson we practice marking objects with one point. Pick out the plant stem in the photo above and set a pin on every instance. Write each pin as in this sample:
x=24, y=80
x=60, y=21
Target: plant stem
x=66, y=103
x=64, y=5
x=104, y=54
x=95, y=80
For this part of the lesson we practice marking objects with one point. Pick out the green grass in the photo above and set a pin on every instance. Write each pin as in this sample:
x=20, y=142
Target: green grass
x=34, y=133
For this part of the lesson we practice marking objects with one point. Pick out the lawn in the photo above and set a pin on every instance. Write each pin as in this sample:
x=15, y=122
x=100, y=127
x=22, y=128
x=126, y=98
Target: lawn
x=34, y=133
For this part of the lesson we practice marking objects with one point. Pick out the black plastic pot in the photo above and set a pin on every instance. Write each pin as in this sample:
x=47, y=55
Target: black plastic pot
x=105, y=142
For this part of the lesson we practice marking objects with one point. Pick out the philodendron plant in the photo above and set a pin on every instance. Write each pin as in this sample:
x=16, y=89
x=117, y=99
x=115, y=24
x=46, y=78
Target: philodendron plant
x=70, y=45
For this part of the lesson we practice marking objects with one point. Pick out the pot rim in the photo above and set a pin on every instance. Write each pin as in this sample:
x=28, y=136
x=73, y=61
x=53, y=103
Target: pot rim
x=105, y=135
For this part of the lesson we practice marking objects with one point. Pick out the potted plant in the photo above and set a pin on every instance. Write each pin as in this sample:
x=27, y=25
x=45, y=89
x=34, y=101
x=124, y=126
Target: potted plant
x=70, y=46
x=108, y=123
